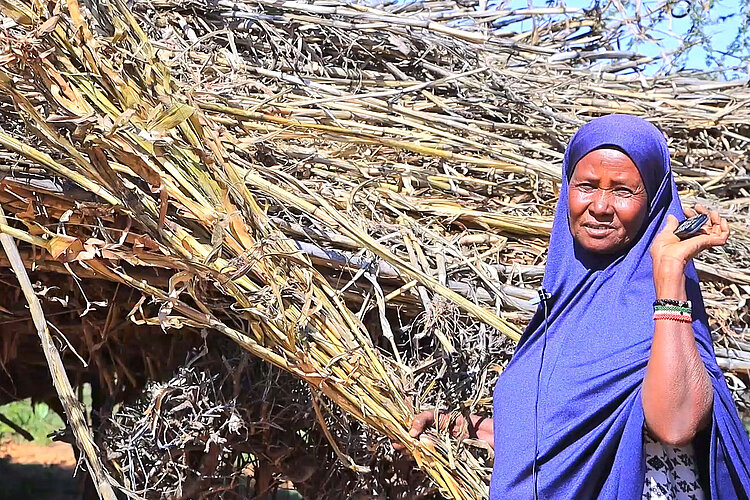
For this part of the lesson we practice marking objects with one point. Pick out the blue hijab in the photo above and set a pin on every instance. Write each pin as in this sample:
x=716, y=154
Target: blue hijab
x=587, y=366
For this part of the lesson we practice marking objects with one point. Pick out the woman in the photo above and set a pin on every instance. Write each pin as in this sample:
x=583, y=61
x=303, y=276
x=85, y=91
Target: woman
x=609, y=394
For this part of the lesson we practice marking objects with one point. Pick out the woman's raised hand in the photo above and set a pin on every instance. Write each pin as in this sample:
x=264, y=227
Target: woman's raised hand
x=670, y=255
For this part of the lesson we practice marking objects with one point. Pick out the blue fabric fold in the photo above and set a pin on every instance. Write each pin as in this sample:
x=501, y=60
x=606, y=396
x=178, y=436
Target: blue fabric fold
x=594, y=353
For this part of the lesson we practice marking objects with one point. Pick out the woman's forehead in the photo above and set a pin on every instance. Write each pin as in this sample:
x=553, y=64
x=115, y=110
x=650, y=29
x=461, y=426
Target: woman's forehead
x=637, y=138
x=607, y=161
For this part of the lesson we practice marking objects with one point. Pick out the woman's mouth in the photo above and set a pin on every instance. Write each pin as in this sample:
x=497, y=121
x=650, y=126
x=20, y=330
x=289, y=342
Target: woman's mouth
x=598, y=230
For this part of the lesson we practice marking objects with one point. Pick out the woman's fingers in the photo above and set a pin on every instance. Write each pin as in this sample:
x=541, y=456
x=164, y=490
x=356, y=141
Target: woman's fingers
x=725, y=229
x=715, y=218
x=668, y=245
x=701, y=209
x=718, y=230
x=421, y=422
x=714, y=236
x=713, y=225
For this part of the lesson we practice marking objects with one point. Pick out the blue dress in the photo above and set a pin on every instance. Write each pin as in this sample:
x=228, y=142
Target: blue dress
x=568, y=404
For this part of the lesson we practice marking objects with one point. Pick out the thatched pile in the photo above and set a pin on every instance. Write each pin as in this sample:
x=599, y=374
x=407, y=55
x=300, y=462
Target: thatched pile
x=358, y=196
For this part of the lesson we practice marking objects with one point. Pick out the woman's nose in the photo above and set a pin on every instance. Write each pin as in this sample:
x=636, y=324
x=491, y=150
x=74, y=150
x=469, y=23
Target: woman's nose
x=602, y=203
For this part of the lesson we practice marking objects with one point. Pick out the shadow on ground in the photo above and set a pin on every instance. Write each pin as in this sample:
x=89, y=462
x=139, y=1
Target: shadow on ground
x=37, y=481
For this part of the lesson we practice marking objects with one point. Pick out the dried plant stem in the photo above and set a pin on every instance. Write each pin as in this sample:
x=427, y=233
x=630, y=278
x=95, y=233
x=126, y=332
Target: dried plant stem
x=71, y=405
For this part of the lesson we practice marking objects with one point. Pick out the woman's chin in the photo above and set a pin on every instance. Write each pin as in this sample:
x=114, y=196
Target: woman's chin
x=600, y=246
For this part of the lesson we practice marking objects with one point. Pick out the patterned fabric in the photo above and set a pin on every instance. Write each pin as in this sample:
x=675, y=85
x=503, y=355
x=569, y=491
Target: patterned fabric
x=671, y=473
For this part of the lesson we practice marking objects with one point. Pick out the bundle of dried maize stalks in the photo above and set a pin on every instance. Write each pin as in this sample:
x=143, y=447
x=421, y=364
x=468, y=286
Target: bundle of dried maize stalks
x=359, y=196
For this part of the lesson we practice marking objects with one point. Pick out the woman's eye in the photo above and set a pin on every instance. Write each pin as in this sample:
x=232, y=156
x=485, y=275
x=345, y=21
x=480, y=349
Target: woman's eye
x=586, y=188
x=623, y=192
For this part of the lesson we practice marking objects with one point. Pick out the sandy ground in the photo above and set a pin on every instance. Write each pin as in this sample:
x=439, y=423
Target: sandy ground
x=30, y=471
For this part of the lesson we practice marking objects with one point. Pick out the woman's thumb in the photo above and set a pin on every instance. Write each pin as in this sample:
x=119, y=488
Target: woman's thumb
x=671, y=224
x=420, y=422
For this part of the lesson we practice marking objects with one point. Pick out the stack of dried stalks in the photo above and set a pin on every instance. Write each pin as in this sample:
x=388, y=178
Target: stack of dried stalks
x=360, y=196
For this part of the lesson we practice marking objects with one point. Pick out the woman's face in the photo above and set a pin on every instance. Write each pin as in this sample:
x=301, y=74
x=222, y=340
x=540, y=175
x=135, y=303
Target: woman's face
x=607, y=201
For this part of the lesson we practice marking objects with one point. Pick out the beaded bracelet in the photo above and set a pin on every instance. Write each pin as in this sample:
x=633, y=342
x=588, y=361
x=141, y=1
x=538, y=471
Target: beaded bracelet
x=674, y=310
x=677, y=309
x=682, y=318
x=673, y=302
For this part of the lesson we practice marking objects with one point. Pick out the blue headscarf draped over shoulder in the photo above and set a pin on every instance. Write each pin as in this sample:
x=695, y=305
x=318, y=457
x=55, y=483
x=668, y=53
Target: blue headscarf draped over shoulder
x=591, y=365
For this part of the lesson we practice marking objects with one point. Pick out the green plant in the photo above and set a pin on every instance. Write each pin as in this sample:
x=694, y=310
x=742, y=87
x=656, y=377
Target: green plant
x=37, y=419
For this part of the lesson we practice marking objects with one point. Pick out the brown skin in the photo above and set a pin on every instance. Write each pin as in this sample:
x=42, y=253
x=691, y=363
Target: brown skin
x=476, y=427
x=677, y=394
x=608, y=204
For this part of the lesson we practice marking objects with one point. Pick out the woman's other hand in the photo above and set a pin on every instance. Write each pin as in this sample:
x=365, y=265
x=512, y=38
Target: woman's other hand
x=670, y=255
x=422, y=422
x=476, y=427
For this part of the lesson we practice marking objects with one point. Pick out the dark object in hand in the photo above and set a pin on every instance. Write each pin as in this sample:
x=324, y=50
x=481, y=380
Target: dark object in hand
x=691, y=226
